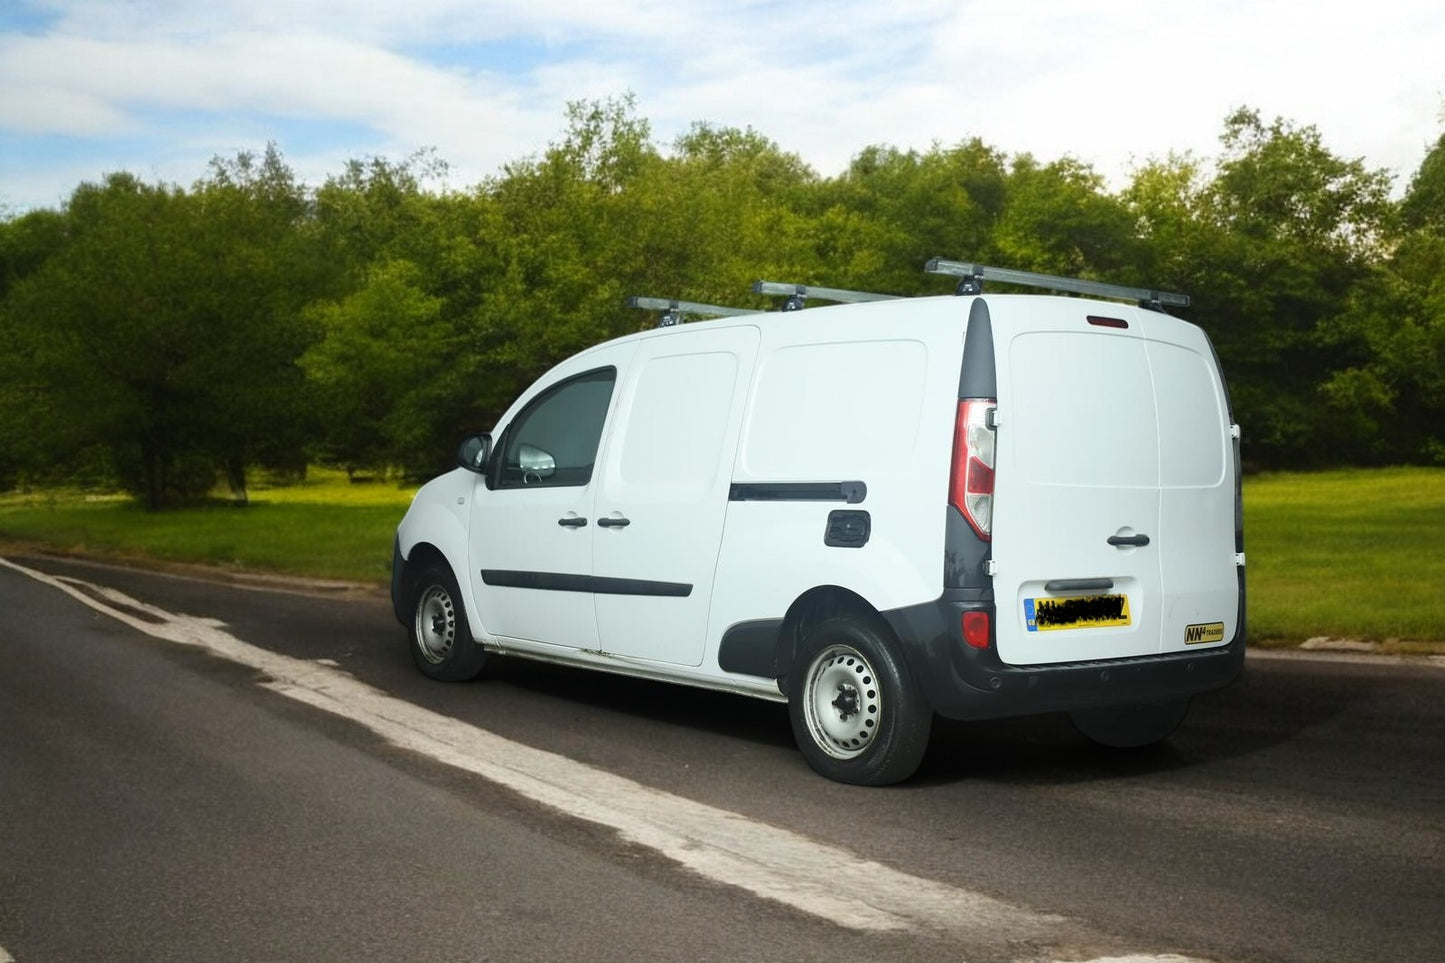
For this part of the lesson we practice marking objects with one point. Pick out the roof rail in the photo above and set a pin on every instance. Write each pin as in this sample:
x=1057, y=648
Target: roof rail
x=673, y=309
x=798, y=294
x=972, y=277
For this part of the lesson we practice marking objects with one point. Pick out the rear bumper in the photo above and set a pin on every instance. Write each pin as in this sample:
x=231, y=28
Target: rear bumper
x=962, y=682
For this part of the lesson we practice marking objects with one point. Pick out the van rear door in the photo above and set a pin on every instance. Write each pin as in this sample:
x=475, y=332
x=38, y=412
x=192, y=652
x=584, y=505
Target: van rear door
x=1197, y=485
x=1113, y=524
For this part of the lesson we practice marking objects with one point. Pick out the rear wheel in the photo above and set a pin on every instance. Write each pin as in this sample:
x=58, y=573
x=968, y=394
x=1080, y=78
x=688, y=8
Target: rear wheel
x=856, y=713
x=1130, y=727
x=441, y=643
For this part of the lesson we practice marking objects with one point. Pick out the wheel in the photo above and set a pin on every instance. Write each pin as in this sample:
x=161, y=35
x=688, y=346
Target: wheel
x=857, y=715
x=1130, y=727
x=441, y=643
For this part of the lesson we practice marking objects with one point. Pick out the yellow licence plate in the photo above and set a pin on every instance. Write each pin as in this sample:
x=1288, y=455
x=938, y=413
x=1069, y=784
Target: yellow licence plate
x=1079, y=612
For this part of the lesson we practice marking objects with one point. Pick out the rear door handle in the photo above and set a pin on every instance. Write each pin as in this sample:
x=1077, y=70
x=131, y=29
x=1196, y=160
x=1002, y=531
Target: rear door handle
x=614, y=522
x=1079, y=585
x=1121, y=541
x=572, y=521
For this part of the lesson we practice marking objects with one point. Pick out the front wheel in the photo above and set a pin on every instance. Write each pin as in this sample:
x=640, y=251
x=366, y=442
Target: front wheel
x=1130, y=727
x=441, y=643
x=857, y=715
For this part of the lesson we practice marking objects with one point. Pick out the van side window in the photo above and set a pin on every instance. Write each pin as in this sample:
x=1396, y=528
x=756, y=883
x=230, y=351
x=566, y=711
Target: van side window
x=552, y=443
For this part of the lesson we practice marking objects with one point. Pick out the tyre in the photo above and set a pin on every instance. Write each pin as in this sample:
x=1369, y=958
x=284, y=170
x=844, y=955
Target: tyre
x=857, y=714
x=1130, y=727
x=441, y=643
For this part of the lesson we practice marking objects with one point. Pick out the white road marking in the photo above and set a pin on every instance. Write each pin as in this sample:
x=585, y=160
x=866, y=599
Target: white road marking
x=1166, y=958
x=771, y=862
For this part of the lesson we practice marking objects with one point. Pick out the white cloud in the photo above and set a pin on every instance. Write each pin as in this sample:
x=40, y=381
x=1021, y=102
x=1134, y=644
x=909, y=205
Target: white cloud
x=485, y=80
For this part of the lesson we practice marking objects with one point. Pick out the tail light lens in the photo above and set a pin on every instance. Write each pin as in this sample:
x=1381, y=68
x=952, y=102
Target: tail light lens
x=970, y=483
x=975, y=629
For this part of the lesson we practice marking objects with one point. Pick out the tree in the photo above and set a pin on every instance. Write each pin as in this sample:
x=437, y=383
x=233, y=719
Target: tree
x=882, y=219
x=1269, y=248
x=1058, y=218
x=1389, y=343
x=162, y=333
x=251, y=223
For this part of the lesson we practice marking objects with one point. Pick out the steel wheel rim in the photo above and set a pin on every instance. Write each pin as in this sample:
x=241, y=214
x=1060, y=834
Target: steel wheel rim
x=436, y=624
x=842, y=702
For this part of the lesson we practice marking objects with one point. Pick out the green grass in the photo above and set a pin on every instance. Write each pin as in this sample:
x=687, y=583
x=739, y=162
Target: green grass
x=325, y=527
x=1351, y=554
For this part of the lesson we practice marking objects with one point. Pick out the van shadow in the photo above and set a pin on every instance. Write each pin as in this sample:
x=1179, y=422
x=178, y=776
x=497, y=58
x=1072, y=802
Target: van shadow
x=645, y=700
x=1267, y=707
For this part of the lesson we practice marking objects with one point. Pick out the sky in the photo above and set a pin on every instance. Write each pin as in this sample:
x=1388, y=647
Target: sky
x=159, y=87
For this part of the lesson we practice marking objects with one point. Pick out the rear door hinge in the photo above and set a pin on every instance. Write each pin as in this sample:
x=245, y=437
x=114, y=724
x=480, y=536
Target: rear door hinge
x=1239, y=559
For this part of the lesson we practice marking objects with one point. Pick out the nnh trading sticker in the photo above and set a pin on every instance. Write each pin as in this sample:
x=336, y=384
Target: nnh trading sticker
x=1203, y=632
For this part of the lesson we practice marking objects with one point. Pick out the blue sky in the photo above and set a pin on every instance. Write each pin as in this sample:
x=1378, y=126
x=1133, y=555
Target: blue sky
x=158, y=87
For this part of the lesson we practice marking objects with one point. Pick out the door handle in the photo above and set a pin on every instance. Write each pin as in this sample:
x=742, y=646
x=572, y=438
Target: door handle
x=572, y=521
x=1079, y=585
x=614, y=522
x=1121, y=541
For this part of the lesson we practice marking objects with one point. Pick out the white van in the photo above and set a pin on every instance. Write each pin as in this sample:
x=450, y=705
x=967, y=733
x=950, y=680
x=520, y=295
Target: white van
x=978, y=506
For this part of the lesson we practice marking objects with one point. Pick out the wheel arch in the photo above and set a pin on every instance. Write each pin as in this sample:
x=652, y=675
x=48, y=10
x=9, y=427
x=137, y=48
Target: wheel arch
x=812, y=607
x=412, y=561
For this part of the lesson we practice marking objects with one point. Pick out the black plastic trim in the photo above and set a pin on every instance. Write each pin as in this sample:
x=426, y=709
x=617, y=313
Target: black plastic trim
x=965, y=555
x=852, y=492
x=597, y=584
x=978, y=378
x=750, y=648
x=398, y=579
x=961, y=682
x=847, y=529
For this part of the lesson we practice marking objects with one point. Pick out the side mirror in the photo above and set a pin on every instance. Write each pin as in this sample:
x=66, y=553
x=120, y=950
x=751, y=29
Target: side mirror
x=474, y=453
x=536, y=464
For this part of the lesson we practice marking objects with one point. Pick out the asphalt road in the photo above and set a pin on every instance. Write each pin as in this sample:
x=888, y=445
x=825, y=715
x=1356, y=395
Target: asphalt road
x=161, y=801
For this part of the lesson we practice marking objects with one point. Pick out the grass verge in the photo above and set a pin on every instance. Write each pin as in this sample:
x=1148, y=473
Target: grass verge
x=1356, y=554
x=1351, y=554
x=325, y=527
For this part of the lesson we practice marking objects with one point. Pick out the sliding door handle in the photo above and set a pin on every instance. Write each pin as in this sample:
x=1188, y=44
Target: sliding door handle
x=614, y=522
x=572, y=521
x=1123, y=541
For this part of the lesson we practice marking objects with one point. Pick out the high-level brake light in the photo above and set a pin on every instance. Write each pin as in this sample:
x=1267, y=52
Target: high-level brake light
x=970, y=483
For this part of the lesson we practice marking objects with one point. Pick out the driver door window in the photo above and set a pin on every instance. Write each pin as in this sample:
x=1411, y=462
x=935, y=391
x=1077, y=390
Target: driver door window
x=553, y=442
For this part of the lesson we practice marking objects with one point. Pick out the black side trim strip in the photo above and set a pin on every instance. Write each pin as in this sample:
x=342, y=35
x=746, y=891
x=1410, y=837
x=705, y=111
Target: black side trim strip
x=639, y=586
x=555, y=582
x=851, y=492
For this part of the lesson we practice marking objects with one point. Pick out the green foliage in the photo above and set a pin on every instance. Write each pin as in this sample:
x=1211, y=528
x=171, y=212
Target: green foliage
x=1271, y=248
x=158, y=336
x=162, y=333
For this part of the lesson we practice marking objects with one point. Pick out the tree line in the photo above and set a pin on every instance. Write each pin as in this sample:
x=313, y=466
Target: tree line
x=158, y=338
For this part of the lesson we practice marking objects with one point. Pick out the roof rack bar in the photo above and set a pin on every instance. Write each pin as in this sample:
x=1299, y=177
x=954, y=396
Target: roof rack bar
x=673, y=309
x=798, y=294
x=973, y=275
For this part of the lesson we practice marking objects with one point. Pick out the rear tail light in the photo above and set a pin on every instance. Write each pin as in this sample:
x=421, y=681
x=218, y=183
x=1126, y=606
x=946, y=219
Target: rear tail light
x=970, y=483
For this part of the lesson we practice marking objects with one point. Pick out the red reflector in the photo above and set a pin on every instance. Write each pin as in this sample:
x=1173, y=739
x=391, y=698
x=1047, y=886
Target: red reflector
x=1108, y=322
x=979, y=478
x=975, y=629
